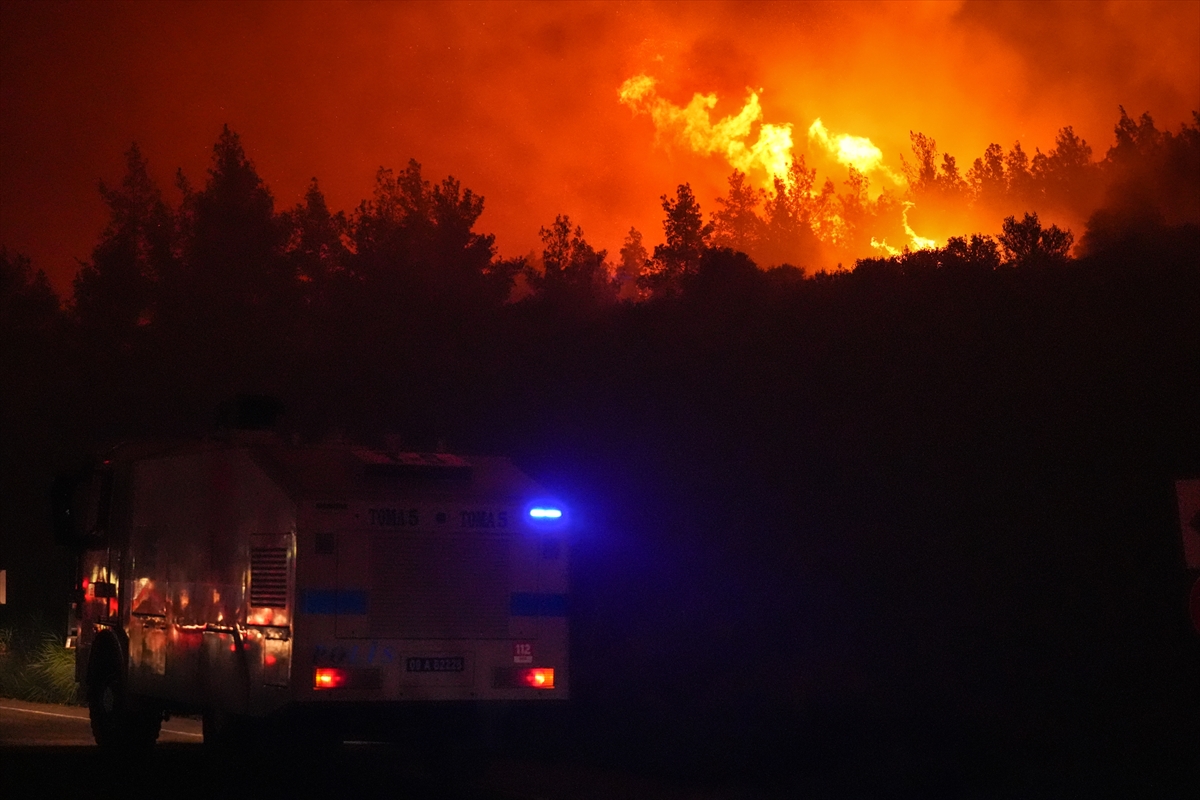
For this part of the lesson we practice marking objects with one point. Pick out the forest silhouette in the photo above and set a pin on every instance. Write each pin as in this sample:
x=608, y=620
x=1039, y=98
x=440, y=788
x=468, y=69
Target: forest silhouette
x=925, y=500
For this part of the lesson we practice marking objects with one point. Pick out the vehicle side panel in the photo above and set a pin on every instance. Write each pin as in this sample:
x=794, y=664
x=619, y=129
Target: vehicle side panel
x=195, y=518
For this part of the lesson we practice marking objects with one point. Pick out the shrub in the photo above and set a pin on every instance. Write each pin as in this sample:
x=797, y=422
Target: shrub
x=36, y=666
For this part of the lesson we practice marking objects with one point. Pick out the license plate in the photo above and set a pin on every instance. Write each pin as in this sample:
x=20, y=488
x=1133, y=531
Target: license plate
x=435, y=664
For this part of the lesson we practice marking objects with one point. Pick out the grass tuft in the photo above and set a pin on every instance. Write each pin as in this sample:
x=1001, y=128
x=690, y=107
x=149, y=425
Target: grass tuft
x=36, y=666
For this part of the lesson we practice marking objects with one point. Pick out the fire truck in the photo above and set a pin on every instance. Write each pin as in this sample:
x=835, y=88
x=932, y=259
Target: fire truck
x=253, y=581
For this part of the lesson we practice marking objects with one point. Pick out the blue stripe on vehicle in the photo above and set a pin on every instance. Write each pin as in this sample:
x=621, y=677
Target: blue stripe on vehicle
x=331, y=601
x=534, y=604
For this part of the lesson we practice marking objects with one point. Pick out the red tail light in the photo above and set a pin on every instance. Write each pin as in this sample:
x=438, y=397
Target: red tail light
x=329, y=678
x=528, y=678
x=538, y=678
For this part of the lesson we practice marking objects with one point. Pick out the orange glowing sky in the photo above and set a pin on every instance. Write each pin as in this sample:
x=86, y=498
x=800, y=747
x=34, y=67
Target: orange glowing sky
x=520, y=100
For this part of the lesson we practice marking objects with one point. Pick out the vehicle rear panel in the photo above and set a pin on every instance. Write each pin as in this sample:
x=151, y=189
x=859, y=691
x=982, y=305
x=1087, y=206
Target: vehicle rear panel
x=429, y=596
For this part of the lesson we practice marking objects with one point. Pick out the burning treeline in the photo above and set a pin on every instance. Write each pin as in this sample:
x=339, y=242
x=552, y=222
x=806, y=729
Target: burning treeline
x=226, y=247
x=779, y=211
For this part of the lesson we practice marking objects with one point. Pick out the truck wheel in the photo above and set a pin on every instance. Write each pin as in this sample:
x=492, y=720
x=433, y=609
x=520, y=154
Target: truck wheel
x=119, y=719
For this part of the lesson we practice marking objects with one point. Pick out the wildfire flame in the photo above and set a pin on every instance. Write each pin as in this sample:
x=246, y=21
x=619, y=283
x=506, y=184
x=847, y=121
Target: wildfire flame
x=692, y=125
x=853, y=151
x=919, y=242
x=884, y=247
x=769, y=155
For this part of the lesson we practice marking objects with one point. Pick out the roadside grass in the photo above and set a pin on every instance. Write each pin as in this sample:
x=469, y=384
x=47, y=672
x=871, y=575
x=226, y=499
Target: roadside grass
x=36, y=666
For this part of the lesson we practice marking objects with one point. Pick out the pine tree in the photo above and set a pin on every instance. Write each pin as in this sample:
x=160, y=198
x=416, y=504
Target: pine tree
x=686, y=240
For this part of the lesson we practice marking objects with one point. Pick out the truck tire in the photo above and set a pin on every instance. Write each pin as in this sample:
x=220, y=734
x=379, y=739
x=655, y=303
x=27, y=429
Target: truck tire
x=120, y=720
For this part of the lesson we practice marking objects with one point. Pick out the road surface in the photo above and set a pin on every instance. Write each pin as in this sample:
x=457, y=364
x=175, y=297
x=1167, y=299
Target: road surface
x=47, y=750
x=25, y=724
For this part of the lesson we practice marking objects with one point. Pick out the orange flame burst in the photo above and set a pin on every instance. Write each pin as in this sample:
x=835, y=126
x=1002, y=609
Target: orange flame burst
x=692, y=126
x=769, y=156
x=918, y=242
x=853, y=151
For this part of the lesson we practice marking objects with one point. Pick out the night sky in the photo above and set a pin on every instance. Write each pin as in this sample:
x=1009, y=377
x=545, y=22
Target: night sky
x=520, y=101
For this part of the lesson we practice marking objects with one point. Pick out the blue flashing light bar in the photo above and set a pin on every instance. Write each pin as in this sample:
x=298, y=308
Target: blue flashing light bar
x=545, y=512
